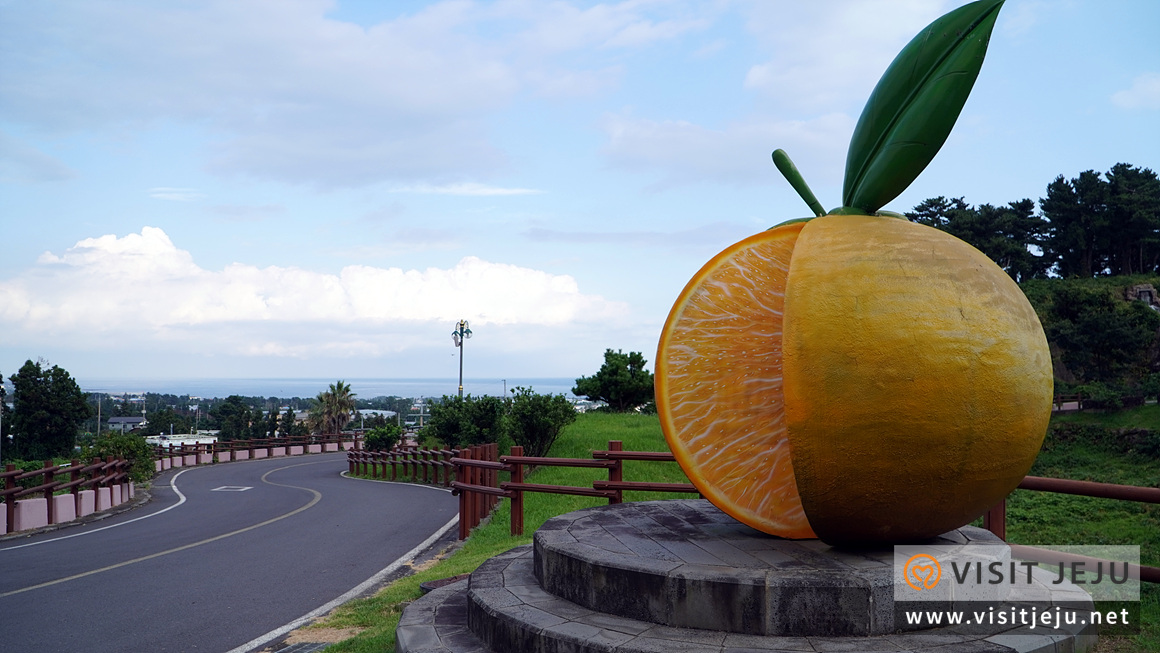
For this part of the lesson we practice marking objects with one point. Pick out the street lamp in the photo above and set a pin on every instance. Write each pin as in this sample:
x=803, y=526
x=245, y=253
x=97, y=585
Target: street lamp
x=460, y=334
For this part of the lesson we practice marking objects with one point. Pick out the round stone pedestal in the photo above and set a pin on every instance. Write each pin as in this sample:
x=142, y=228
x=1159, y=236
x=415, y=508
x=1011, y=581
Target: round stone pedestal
x=687, y=564
x=666, y=576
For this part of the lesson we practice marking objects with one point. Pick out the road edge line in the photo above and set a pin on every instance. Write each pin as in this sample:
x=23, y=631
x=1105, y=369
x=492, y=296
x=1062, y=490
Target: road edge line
x=359, y=589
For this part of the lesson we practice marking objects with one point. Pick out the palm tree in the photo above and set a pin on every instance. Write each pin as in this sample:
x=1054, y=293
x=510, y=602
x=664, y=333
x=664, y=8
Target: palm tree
x=334, y=408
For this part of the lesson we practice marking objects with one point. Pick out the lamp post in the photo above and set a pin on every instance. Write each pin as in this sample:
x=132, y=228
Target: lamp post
x=461, y=333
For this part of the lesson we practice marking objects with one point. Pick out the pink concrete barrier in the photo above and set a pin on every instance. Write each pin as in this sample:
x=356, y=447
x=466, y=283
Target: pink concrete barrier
x=204, y=458
x=157, y=466
x=86, y=503
x=165, y=464
x=241, y=455
x=314, y=448
x=347, y=446
x=3, y=521
x=64, y=508
x=175, y=461
x=278, y=451
x=116, y=495
x=30, y=513
x=104, y=498
x=190, y=460
x=259, y=453
x=332, y=446
x=223, y=456
x=296, y=450
x=132, y=489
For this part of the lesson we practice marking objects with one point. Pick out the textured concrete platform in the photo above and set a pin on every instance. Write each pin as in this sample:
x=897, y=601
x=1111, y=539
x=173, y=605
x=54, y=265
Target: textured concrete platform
x=689, y=565
x=637, y=569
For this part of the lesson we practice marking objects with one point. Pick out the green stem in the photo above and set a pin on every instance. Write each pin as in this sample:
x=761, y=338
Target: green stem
x=791, y=174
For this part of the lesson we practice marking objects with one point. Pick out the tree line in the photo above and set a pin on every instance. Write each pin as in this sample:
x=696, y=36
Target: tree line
x=1090, y=225
x=1094, y=239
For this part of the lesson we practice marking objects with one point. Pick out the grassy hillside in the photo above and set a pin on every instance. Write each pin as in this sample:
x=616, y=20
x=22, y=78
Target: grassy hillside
x=1033, y=517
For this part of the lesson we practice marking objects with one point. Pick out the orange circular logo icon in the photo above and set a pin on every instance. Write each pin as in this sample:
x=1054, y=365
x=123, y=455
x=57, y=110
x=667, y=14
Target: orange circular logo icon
x=922, y=571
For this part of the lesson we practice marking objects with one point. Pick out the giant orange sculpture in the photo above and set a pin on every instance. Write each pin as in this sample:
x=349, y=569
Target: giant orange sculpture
x=855, y=376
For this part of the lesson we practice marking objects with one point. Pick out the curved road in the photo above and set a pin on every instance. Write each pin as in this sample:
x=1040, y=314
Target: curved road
x=207, y=565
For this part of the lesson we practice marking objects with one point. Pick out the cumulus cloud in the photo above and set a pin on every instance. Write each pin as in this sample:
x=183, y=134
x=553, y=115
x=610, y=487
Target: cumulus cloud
x=290, y=94
x=1143, y=94
x=142, y=286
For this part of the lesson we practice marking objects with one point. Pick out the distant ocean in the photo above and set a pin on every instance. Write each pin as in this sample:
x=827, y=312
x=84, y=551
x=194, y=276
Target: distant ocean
x=362, y=388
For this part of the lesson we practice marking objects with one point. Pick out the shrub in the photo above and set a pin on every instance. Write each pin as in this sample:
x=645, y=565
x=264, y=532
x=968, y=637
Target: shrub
x=464, y=421
x=134, y=448
x=1101, y=395
x=535, y=421
x=383, y=438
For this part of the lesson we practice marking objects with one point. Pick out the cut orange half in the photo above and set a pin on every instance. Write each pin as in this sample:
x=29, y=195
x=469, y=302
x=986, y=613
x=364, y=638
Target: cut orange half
x=861, y=378
x=720, y=392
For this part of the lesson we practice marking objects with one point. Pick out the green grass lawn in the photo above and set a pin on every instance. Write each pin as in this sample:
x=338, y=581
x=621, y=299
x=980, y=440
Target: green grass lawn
x=1033, y=517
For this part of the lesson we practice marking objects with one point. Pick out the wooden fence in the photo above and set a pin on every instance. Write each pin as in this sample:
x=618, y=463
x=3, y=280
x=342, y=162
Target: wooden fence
x=477, y=480
x=408, y=462
x=996, y=518
x=76, y=479
x=231, y=450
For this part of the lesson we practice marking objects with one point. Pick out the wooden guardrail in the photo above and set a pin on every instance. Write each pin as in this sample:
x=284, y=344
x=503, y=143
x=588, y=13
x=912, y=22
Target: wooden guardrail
x=230, y=450
x=477, y=479
x=406, y=461
x=1059, y=401
x=995, y=520
x=98, y=474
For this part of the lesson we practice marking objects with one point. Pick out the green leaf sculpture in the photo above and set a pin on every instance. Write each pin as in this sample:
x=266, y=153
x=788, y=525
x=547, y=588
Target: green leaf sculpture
x=914, y=106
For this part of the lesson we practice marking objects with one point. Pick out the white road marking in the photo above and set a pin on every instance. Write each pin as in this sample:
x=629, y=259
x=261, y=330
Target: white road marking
x=172, y=484
x=93, y=572
x=364, y=586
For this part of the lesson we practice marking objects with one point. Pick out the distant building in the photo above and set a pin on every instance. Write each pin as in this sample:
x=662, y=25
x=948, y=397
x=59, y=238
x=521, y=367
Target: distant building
x=124, y=424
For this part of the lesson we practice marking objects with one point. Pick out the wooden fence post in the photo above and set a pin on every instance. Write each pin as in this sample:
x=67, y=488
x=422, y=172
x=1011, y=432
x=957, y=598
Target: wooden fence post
x=464, y=476
x=75, y=490
x=995, y=519
x=46, y=477
x=10, y=501
x=493, y=475
x=517, y=505
x=616, y=473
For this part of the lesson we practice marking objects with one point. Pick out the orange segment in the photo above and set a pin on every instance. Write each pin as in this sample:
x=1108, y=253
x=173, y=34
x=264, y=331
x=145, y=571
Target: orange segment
x=719, y=384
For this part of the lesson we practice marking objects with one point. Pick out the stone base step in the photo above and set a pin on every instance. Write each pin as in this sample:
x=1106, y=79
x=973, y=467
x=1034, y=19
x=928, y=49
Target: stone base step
x=437, y=623
x=504, y=610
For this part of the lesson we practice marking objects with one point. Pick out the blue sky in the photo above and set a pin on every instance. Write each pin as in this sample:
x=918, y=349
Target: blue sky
x=259, y=188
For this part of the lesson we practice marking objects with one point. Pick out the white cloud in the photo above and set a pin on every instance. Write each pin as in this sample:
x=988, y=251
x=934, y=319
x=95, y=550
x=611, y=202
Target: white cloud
x=1144, y=93
x=683, y=152
x=560, y=26
x=142, y=288
x=176, y=194
x=465, y=189
x=291, y=95
x=20, y=162
x=816, y=63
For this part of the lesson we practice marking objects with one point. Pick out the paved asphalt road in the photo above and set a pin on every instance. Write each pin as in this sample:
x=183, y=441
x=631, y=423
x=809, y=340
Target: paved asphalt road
x=203, y=567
